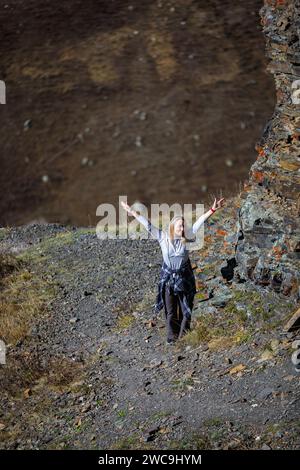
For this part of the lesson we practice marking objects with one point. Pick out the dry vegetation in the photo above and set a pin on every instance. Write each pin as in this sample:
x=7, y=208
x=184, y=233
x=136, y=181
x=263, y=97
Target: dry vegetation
x=23, y=296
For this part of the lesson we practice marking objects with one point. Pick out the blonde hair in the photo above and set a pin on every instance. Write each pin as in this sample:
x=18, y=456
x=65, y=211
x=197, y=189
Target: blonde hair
x=171, y=229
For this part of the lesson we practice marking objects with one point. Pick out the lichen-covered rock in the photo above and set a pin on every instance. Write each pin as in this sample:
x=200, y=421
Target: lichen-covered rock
x=268, y=246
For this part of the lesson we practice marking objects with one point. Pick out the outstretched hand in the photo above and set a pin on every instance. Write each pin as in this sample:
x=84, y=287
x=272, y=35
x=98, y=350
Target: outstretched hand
x=128, y=209
x=218, y=204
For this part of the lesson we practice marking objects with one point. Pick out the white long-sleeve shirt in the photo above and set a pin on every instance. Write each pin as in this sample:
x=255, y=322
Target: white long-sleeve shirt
x=174, y=254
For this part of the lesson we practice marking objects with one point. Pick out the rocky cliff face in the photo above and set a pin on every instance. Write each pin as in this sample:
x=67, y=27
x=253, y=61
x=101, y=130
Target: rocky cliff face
x=268, y=245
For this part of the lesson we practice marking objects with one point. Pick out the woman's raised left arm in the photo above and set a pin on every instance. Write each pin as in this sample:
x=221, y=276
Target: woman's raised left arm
x=216, y=205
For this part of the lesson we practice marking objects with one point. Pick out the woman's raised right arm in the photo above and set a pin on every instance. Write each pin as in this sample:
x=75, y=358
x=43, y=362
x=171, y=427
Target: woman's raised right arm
x=154, y=231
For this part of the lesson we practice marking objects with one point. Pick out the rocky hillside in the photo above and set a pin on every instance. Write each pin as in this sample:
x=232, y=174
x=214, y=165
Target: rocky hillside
x=86, y=361
x=159, y=100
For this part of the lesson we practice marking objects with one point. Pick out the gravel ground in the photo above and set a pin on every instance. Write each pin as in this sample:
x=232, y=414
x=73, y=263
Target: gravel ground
x=94, y=371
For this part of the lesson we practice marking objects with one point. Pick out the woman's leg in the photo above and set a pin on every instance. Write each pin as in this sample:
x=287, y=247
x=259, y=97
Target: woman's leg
x=171, y=302
x=185, y=322
x=185, y=326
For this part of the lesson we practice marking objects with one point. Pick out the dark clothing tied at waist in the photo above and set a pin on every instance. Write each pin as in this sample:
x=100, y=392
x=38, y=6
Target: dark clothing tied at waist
x=181, y=282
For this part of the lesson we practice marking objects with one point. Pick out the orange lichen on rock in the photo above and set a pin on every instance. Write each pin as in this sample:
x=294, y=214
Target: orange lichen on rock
x=221, y=233
x=278, y=252
x=258, y=176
